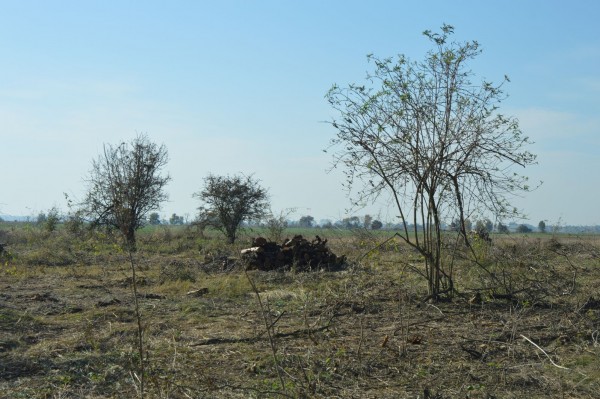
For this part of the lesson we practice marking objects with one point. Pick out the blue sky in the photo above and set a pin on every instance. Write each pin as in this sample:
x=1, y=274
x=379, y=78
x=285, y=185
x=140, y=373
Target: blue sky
x=238, y=86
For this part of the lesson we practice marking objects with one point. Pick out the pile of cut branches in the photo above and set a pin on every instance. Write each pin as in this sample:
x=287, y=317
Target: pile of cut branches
x=297, y=253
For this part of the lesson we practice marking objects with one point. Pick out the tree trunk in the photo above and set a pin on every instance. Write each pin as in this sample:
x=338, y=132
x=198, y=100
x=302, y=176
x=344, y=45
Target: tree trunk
x=130, y=239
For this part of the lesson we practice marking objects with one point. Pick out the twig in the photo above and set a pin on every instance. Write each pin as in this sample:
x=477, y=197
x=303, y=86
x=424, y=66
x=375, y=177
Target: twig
x=360, y=342
x=268, y=327
x=438, y=309
x=297, y=333
x=140, y=330
x=544, y=352
x=419, y=323
x=272, y=324
x=21, y=318
x=377, y=246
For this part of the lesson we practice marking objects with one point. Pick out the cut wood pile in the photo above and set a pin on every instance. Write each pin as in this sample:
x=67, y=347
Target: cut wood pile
x=297, y=253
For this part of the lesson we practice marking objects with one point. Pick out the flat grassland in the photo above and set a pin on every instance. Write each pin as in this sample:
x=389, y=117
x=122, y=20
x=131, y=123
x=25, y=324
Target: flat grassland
x=524, y=323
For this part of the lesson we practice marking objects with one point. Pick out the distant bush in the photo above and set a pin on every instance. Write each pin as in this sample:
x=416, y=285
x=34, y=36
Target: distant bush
x=376, y=225
x=176, y=220
x=502, y=228
x=74, y=223
x=542, y=226
x=52, y=220
x=154, y=219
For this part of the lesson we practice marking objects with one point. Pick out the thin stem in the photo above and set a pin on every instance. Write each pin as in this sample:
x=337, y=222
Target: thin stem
x=268, y=327
x=140, y=330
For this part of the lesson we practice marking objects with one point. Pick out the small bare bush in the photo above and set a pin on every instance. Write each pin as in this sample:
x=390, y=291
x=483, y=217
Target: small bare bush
x=522, y=270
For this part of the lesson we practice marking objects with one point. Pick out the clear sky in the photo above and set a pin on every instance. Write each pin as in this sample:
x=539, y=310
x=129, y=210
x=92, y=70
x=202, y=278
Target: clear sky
x=238, y=86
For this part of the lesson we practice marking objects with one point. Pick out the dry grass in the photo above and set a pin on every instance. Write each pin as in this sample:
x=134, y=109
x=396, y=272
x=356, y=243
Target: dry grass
x=68, y=329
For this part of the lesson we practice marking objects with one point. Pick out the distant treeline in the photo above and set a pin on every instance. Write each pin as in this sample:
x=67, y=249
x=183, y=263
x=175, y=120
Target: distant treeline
x=348, y=223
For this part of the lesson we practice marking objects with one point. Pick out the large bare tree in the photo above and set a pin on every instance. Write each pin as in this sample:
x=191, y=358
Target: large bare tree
x=434, y=140
x=125, y=183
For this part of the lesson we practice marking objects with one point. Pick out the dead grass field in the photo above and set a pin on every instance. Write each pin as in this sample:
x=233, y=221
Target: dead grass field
x=68, y=328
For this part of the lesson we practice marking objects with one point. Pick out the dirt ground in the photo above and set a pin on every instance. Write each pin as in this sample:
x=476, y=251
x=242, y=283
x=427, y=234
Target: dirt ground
x=70, y=330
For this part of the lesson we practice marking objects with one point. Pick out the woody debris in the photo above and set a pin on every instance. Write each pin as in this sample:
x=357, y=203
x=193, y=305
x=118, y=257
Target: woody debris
x=297, y=253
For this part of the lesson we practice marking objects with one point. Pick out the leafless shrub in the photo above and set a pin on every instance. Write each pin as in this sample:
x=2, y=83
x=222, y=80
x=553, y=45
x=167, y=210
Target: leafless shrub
x=525, y=270
x=125, y=184
x=277, y=223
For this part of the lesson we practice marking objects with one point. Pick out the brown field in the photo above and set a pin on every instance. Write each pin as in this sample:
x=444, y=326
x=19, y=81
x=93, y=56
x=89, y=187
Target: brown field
x=68, y=325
